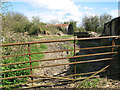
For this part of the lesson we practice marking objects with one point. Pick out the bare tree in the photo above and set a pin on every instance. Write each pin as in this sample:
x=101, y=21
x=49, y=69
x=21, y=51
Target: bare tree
x=35, y=20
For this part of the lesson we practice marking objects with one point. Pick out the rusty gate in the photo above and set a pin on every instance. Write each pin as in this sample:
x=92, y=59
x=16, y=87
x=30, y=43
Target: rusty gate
x=92, y=74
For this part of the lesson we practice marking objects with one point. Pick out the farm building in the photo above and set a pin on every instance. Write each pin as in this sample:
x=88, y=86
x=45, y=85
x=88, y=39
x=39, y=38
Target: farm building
x=65, y=26
x=112, y=28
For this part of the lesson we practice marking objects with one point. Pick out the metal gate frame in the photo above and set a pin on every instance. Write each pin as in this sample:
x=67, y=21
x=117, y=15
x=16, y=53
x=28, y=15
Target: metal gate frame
x=72, y=63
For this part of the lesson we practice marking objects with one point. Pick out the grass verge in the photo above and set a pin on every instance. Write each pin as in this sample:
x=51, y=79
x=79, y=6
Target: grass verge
x=34, y=49
x=52, y=37
x=92, y=83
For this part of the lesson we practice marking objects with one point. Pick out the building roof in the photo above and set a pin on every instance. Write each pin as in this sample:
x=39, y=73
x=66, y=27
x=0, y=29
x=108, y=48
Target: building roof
x=113, y=20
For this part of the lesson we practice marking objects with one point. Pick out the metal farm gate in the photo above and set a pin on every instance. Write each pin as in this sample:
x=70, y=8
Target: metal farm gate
x=42, y=77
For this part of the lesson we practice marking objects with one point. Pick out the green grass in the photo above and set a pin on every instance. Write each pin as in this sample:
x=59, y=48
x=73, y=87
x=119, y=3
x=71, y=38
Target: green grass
x=52, y=37
x=92, y=83
x=66, y=36
x=37, y=48
x=34, y=49
x=80, y=67
x=69, y=47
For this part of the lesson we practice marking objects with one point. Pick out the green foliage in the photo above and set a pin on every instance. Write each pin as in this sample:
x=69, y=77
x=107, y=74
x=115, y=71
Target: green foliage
x=49, y=29
x=11, y=37
x=72, y=27
x=15, y=22
x=35, y=20
x=69, y=47
x=34, y=30
x=104, y=19
x=91, y=23
x=34, y=49
x=66, y=22
x=92, y=83
x=96, y=23
x=81, y=29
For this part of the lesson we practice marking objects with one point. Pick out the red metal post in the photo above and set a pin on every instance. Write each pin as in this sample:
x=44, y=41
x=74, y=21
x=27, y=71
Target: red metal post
x=30, y=62
x=74, y=54
x=113, y=44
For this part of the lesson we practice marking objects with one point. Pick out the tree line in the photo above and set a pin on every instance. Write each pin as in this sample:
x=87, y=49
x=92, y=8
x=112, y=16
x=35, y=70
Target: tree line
x=17, y=22
x=91, y=23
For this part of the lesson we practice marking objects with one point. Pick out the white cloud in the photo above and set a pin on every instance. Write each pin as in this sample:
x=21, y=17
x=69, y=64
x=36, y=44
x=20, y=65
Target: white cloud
x=87, y=8
x=105, y=9
x=49, y=15
x=114, y=13
x=96, y=0
x=71, y=0
x=65, y=5
x=88, y=13
x=62, y=10
x=56, y=9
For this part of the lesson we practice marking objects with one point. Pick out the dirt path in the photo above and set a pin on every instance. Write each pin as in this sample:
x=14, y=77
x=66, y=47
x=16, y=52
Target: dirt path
x=61, y=71
x=57, y=71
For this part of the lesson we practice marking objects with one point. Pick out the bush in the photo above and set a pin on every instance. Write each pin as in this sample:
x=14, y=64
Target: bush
x=34, y=30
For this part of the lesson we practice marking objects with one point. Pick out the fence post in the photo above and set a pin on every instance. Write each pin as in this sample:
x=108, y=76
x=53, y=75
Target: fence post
x=113, y=43
x=111, y=68
x=30, y=62
x=74, y=54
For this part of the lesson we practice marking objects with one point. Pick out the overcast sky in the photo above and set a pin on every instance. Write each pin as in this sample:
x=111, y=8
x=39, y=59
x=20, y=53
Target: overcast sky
x=65, y=10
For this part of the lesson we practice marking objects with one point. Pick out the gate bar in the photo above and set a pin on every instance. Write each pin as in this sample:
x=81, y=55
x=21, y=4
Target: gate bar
x=95, y=73
x=57, y=65
x=64, y=76
x=60, y=58
x=62, y=40
x=60, y=51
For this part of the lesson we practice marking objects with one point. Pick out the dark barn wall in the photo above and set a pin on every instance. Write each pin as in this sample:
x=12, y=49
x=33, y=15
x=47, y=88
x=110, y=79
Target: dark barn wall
x=110, y=29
